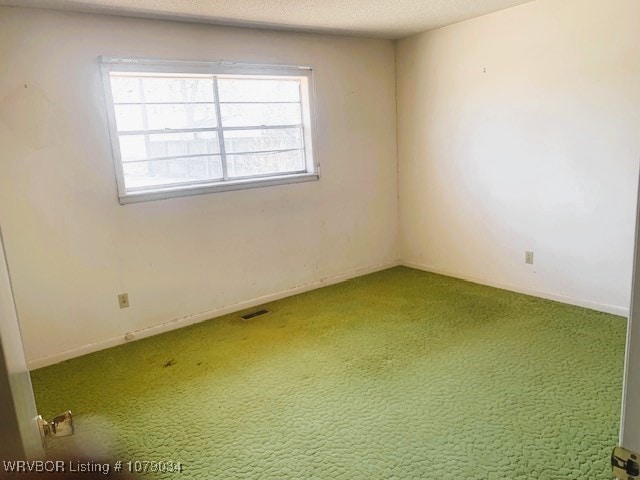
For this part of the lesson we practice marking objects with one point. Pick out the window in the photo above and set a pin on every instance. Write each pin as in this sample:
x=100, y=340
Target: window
x=181, y=128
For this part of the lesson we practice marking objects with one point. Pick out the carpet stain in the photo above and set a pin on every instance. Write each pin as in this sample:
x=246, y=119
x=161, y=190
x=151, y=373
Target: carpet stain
x=399, y=374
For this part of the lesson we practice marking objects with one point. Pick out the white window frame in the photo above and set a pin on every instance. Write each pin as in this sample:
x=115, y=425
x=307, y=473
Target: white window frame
x=307, y=98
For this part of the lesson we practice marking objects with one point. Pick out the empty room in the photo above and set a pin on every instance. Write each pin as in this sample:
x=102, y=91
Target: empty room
x=298, y=239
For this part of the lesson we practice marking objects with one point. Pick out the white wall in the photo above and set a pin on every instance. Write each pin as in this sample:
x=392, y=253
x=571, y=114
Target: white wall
x=72, y=248
x=520, y=130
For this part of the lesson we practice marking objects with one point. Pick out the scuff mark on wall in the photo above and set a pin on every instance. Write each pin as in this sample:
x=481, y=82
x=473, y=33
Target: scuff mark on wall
x=31, y=117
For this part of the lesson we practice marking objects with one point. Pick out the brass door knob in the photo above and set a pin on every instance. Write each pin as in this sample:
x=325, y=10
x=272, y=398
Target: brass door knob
x=60, y=426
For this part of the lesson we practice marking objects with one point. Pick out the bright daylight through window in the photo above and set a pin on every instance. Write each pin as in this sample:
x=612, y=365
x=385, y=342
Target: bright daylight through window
x=180, y=129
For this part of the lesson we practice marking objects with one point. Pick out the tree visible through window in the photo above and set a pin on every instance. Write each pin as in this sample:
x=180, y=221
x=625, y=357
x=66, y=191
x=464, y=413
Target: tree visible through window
x=175, y=130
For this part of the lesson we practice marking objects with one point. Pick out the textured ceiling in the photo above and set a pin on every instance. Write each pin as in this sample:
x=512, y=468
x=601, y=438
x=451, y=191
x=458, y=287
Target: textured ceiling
x=374, y=18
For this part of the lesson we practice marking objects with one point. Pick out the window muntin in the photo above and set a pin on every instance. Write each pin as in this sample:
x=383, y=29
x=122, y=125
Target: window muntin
x=203, y=127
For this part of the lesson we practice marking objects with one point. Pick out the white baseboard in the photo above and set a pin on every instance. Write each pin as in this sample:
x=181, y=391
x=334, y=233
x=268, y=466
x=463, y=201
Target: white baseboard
x=201, y=317
x=217, y=312
x=601, y=307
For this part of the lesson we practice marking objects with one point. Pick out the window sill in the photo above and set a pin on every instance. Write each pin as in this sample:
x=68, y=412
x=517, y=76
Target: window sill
x=170, y=192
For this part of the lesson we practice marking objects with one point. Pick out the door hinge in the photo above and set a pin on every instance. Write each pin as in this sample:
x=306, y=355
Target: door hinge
x=625, y=464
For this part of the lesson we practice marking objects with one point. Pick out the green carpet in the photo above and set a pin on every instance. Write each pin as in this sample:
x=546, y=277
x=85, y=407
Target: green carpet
x=399, y=374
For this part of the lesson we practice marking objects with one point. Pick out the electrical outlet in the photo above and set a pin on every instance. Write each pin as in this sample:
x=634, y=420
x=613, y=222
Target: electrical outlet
x=123, y=300
x=528, y=257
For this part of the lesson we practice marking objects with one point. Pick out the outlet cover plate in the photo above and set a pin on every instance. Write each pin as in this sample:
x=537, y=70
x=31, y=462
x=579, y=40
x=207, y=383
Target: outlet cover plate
x=528, y=257
x=123, y=300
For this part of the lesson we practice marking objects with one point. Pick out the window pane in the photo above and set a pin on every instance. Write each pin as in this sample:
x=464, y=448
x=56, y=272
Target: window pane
x=258, y=90
x=125, y=89
x=265, y=164
x=163, y=89
x=158, y=145
x=131, y=117
x=140, y=89
x=258, y=114
x=181, y=116
x=260, y=140
x=174, y=171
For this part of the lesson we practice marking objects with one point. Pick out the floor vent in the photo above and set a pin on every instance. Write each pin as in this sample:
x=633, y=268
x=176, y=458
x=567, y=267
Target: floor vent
x=249, y=316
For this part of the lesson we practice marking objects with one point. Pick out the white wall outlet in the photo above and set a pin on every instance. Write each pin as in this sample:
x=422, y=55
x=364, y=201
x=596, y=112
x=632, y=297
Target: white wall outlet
x=528, y=257
x=123, y=300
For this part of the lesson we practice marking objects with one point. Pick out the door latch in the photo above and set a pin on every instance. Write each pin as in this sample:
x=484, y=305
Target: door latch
x=60, y=426
x=625, y=464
